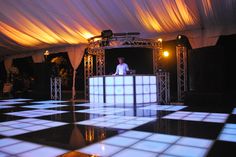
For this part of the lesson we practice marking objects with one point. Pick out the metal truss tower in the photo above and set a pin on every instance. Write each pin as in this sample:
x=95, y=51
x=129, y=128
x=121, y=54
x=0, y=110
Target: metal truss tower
x=55, y=88
x=181, y=54
x=163, y=87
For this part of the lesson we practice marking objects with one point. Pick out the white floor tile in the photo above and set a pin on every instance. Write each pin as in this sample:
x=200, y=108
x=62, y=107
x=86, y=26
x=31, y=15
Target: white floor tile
x=120, y=141
x=13, y=132
x=104, y=124
x=36, y=128
x=44, y=152
x=87, y=122
x=230, y=125
x=8, y=141
x=185, y=151
x=21, y=125
x=11, y=103
x=214, y=120
x=4, y=107
x=136, y=134
x=227, y=137
x=229, y=131
x=54, y=124
x=151, y=146
x=197, y=142
x=124, y=126
x=49, y=102
x=5, y=128
x=19, y=147
x=163, y=138
x=17, y=99
x=4, y=154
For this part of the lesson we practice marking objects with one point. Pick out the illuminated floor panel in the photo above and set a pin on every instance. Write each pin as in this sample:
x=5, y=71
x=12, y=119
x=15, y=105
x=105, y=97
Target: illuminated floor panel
x=149, y=144
x=94, y=104
x=35, y=113
x=11, y=147
x=4, y=107
x=44, y=106
x=234, y=111
x=105, y=111
x=18, y=127
x=11, y=103
x=123, y=122
x=49, y=102
x=17, y=99
x=198, y=116
x=119, y=131
x=228, y=133
x=164, y=107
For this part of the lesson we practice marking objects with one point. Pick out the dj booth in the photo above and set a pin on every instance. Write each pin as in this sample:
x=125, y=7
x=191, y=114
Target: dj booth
x=125, y=89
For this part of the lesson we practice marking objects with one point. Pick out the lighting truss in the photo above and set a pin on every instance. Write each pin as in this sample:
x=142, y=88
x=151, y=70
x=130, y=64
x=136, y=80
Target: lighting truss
x=163, y=88
x=181, y=54
x=97, y=48
x=55, y=88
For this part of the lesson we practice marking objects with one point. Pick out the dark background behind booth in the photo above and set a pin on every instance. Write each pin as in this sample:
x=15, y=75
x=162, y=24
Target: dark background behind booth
x=211, y=74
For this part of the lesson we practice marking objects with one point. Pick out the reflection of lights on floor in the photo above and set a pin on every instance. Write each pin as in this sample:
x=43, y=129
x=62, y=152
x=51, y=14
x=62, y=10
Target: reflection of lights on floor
x=198, y=116
x=149, y=144
x=35, y=113
x=103, y=147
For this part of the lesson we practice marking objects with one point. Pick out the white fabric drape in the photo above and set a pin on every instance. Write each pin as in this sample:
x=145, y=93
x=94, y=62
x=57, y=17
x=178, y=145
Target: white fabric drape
x=29, y=25
x=8, y=64
x=75, y=54
x=38, y=58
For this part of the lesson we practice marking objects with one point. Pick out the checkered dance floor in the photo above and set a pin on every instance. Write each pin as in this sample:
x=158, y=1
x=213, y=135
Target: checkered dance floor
x=50, y=128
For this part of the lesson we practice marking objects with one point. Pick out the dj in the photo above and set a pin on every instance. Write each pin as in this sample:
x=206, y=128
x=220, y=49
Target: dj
x=122, y=68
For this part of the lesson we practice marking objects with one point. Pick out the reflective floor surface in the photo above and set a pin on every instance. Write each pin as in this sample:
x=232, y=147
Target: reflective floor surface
x=50, y=128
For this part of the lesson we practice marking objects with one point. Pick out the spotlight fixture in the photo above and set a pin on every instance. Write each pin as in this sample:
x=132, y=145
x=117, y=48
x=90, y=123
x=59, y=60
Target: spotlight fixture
x=181, y=40
x=160, y=40
x=46, y=53
x=166, y=54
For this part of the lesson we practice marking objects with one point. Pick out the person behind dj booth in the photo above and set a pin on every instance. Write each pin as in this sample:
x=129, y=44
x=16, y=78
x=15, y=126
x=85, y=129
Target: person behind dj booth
x=122, y=68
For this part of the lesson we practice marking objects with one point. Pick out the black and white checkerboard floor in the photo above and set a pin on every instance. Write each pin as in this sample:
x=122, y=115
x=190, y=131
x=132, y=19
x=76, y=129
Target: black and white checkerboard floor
x=58, y=128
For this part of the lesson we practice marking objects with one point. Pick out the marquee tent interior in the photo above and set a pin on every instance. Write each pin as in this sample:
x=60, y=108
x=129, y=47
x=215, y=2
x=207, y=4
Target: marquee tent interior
x=185, y=109
x=27, y=26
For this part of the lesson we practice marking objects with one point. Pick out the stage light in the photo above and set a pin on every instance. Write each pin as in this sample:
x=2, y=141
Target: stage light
x=46, y=53
x=166, y=54
x=179, y=37
x=160, y=40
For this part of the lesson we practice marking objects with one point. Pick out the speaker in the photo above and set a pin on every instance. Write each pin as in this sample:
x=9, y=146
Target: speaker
x=107, y=33
x=206, y=70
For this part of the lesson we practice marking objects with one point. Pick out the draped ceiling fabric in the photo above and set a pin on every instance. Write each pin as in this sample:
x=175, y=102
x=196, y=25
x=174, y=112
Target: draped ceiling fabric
x=28, y=25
